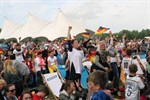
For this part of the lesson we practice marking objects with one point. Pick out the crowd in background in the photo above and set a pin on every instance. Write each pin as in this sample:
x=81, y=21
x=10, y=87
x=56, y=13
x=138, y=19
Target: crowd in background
x=23, y=64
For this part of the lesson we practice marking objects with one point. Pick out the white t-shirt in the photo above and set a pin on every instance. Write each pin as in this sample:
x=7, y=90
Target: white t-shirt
x=76, y=57
x=139, y=71
x=133, y=86
x=18, y=55
x=125, y=64
x=37, y=62
x=52, y=60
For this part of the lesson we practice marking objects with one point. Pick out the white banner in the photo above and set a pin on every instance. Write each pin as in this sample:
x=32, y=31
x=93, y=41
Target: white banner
x=54, y=83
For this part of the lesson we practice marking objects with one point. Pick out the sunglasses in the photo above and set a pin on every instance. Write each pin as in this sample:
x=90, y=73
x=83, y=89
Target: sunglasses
x=12, y=90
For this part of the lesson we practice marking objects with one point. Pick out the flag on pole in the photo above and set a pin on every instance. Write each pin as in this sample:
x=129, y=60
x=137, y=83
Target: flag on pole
x=101, y=30
x=85, y=34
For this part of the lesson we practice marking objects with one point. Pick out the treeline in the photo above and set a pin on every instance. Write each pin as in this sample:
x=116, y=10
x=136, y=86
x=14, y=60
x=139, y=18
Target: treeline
x=130, y=34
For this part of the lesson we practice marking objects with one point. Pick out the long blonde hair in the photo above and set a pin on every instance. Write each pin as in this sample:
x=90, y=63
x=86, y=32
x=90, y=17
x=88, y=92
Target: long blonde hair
x=98, y=46
x=3, y=82
x=8, y=67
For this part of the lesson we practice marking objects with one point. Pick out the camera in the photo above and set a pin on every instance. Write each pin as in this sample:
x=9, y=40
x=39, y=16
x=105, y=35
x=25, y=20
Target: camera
x=134, y=57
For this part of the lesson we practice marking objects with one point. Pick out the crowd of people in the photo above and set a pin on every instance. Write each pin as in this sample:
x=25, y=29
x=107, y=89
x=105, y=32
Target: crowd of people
x=22, y=66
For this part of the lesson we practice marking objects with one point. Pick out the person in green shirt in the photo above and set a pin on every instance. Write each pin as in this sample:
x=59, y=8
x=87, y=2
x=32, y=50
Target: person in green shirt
x=148, y=69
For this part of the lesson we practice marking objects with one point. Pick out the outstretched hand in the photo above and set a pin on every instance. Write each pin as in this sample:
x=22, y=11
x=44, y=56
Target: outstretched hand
x=124, y=36
x=69, y=28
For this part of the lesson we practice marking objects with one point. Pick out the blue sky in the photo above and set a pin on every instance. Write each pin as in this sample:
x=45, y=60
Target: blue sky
x=115, y=14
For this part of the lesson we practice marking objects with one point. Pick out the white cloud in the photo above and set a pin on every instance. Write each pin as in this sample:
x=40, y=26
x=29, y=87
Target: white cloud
x=116, y=14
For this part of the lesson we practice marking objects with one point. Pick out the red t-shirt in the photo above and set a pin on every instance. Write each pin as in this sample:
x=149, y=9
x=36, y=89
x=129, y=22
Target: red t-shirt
x=36, y=97
x=29, y=64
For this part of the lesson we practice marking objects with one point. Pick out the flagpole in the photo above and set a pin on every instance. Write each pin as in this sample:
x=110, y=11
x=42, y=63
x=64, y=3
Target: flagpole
x=92, y=36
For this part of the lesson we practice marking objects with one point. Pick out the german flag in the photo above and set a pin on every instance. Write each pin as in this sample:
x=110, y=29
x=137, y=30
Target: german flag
x=86, y=34
x=101, y=30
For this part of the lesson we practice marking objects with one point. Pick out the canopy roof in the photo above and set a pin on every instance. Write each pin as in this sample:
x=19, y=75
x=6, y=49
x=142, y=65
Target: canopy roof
x=8, y=27
x=36, y=27
x=31, y=28
x=59, y=27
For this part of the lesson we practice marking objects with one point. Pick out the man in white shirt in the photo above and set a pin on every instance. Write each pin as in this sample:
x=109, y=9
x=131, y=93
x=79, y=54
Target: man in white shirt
x=18, y=53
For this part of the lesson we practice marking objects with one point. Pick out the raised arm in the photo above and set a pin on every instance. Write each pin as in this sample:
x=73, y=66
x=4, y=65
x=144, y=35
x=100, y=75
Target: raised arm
x=69, y=39
x=124, y=40
x=68, y=34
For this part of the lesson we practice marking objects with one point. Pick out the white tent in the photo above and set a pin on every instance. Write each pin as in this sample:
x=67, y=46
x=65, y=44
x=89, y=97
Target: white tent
x=31, y=28
x=35, y=27
x=8, y=27
x=59, y=27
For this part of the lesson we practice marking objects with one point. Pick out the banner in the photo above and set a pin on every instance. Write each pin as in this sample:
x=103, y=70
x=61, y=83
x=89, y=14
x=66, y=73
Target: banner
x=53, y=82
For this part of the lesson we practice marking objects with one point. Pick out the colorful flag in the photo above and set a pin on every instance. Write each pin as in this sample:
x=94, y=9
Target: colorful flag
x=101, y=30
x=85, y=34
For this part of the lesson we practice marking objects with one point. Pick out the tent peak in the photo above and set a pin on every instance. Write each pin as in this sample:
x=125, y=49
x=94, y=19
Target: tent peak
x=60, y=10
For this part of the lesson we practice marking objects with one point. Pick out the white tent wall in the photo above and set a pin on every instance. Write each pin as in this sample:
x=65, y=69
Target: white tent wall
x=31, y=28
x=59, y=27
x=8, y=27
x=16, y=33
x=36, y=27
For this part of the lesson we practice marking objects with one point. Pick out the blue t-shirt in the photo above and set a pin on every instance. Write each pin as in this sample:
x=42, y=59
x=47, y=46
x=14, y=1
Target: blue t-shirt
x=100, y=96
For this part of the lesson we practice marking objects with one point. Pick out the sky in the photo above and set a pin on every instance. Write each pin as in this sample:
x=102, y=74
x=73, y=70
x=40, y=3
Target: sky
x=114, y=14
